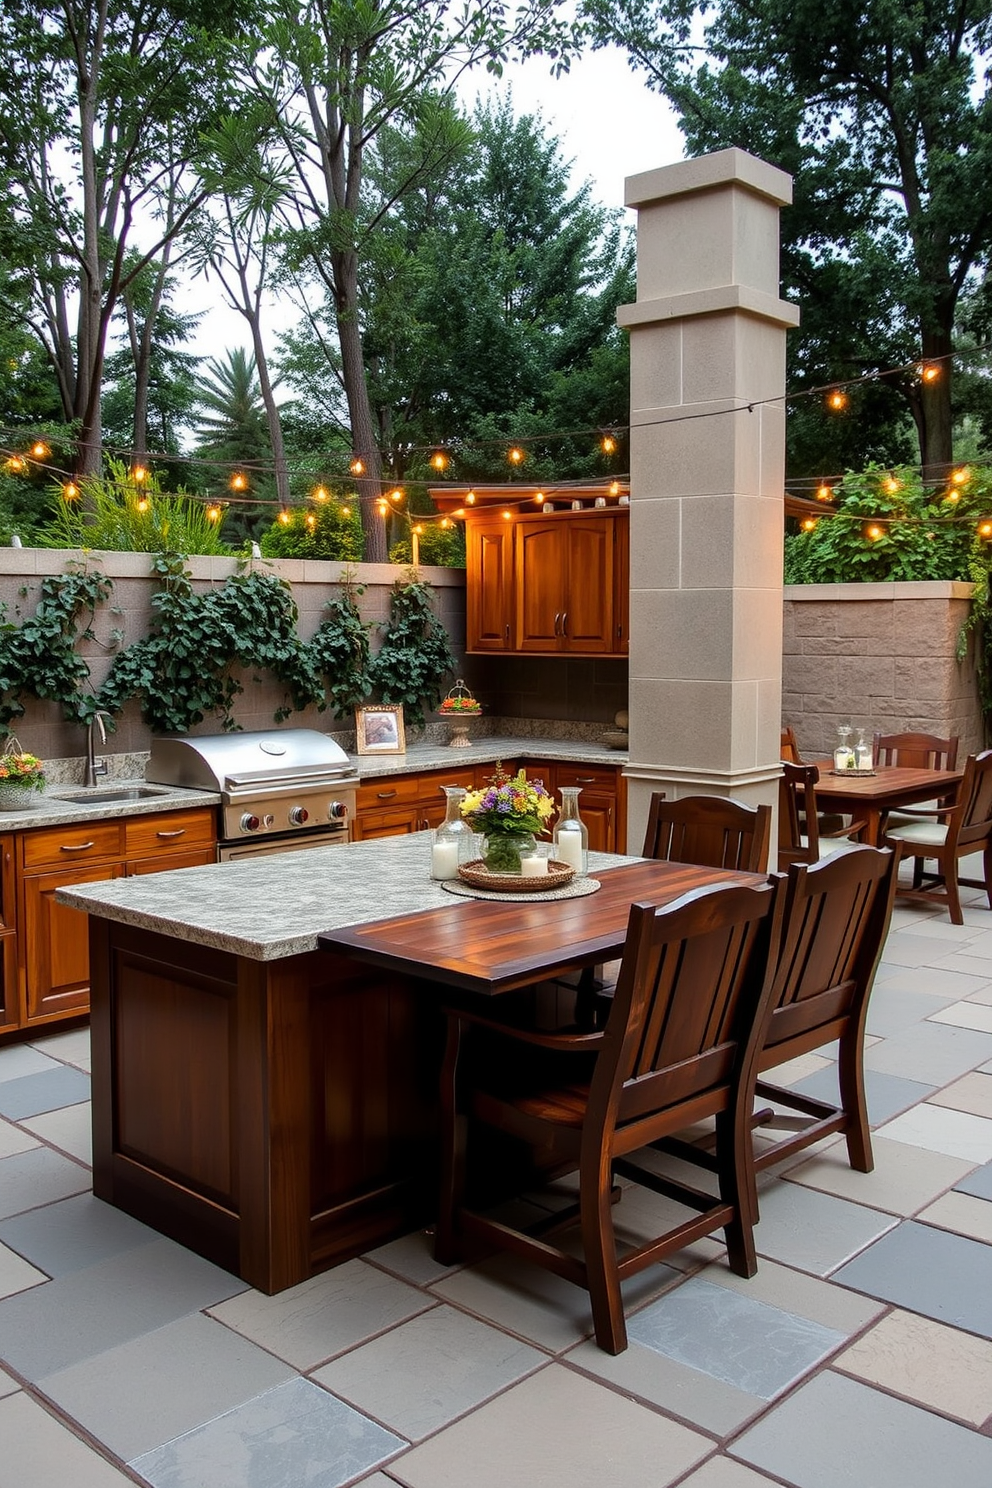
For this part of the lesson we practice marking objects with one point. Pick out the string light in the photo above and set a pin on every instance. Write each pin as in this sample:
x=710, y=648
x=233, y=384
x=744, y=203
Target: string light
x=824, y=492
x=515, y=455
x=139, y=475
x=507, y=515
x=311, y=520
x=284, y=517
x=357, y=466
x=396, y=495
x=890, y=484
x=16, y=465
x=70, y=491
x=929, y=372
x=320, y=494
x=608, y=444
x=439, y=461
x=985, y=528
x=961, y=476
x=239, y=481
x=213, y=513
x=346, y=511
x=40, y=450
x=952, y=497
x=874, y=531
x=142, y=504
x=837, y=400
x=614, y=488
x=808, y=524
x=470, y=498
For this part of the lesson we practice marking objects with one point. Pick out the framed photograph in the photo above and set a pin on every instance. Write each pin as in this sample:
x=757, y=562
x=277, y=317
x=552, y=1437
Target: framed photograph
x=379, y=731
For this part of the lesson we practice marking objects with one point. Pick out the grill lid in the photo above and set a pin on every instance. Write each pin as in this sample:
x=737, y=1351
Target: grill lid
x=222, y=762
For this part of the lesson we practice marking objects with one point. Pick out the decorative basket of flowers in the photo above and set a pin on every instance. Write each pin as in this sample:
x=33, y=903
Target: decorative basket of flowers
x=20, y=775
x=509, y=812
x=459, y=708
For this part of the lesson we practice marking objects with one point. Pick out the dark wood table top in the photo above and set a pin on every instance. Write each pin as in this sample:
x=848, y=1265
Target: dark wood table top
x=482, y=945
x=896, y=783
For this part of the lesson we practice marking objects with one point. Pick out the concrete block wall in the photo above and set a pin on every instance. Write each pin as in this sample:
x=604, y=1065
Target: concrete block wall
x=878, y=656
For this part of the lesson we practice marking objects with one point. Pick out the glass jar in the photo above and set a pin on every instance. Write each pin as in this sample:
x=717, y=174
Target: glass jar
x=844, y=754
x=862, y=752
x=571, y=835
x=453, y=841
x=502, y=852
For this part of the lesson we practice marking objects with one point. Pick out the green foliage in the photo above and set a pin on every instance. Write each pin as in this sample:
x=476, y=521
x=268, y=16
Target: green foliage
x=443, y=547
x=923, y=534
x=339, y=650
x=38, y=658
x=415, y=656
x=183, y=670
x=320, y=531
x=113, y=514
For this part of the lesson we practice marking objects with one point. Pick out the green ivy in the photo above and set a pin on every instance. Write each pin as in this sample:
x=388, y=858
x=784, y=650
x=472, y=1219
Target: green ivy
x=339, y=650
x=415, y=656
x=183, y=670
x=38, y=658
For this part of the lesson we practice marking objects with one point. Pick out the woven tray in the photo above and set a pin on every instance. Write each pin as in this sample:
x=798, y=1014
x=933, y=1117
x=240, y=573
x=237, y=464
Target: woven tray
x=578, y=888
x=854, y=774
x=476, y=874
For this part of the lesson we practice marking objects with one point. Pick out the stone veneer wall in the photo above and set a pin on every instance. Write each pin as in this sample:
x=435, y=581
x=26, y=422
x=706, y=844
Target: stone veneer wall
x=878, y=656
x=575, y=691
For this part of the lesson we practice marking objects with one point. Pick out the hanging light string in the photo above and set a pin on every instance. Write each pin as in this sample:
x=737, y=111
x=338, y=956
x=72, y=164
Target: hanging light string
x=440, y=456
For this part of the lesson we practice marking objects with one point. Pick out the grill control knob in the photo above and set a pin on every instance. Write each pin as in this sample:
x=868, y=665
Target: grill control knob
x=337, y=811
x=250, y=823
x=298, y=815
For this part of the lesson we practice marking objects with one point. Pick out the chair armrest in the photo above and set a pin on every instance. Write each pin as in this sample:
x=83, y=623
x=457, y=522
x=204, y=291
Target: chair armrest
x=562, y=1041
x=848, y=831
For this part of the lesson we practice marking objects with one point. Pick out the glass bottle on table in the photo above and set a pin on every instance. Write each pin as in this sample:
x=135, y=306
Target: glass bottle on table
x=862, y=752
x=844, y=754
x=453, y=841
x=570, y=838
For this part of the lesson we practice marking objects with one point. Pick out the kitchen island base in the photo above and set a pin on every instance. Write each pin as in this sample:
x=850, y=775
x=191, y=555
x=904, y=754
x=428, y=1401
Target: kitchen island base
x=276, y=1116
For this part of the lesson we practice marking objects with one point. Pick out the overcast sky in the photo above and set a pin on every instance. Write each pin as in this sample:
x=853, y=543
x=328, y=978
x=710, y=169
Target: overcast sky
x=610, y=126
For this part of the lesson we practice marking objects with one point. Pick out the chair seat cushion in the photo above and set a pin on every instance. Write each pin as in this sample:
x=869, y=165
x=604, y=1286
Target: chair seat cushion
x=830, y=846
x=922, y=833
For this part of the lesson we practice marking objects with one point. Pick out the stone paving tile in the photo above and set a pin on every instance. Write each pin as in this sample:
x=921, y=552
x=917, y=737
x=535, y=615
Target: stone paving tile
x=69, y=1129
x=966, y=1014
x=978, y=1183
x=891, y=1009
x=13, y=1139
x=932, y=1053
x=814, y=1231
x=73, y=1047
x=16, y=1274
x=19, y=1060
x=559, y=1430
x=723, y=1472
x=40, y=1452
x=962, y=1214
x=936, y=1366
x=296, y=1433
x=941, y=1129
x=801, y=1295
x=971, y=1093
x=47, y=1091
x=310, y=1323
x=422, y=1374
x=886, y=1095
x=930, y=1271
x=904, y=1178
x=73, y=1234
x=836, y=1430
x=39, y=1176
x=411, y=1257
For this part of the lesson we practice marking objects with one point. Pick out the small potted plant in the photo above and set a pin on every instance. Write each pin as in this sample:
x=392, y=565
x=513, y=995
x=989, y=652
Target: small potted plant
x=459, y=708
x=509, y=813
x=20, y=774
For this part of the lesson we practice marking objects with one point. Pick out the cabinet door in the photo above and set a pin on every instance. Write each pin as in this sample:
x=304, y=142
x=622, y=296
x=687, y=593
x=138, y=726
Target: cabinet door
x=489, y=585
x=9, y=1001
x=586, y=623
x=397, y=822
x=621, y=588
x=541, y=559
x=194, y=858
x=56, y=943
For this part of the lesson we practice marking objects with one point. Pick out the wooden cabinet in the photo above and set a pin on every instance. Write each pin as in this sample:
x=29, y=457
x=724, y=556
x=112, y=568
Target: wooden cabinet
x=44, y=945
x=565, y=591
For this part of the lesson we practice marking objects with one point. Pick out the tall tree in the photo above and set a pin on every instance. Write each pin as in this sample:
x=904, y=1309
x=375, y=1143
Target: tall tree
x=882, y=113
x=335, y=73
x=103, y=108
x=232, y=430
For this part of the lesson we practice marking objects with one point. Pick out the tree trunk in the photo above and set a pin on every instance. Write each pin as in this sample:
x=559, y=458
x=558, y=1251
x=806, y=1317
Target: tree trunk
x=271, y=411
x=369, y=483
x=935, y=423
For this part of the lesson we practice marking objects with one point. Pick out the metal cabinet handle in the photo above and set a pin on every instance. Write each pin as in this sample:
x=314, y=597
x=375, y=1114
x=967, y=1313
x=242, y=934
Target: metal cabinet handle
x=564, y=623
x=80, y=847
x=586, y=779
x=385, y=795
x=179, y=832
x=508, y=632
x=557, y=622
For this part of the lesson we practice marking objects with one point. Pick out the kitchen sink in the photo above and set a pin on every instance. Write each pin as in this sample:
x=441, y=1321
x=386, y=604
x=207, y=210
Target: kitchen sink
x=96, y=797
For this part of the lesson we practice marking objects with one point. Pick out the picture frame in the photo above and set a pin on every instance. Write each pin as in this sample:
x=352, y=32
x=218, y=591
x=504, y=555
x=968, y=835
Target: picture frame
x=379, y=730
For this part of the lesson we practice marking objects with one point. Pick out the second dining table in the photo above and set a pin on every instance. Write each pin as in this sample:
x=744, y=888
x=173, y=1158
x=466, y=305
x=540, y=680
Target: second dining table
x=869, y=798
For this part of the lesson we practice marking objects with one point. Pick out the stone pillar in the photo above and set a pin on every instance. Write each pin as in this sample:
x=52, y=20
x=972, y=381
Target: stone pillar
x=707, y=464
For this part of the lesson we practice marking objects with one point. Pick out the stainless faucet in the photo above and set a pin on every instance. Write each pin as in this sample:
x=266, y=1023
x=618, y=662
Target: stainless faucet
x=95, y=767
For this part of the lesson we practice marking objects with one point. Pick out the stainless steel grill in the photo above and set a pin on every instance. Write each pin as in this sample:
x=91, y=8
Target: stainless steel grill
x=280, y=789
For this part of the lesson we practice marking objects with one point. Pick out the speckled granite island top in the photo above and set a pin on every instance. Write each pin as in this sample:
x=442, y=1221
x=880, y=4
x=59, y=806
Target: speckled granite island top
x=265, y=908
x=484, y=751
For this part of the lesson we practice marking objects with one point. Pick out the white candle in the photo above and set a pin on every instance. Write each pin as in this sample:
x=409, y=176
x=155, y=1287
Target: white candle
x=533, y=866
x=444, y=860
x=569, y=848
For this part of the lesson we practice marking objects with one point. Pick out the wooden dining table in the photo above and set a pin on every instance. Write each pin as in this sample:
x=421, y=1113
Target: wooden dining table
x=869, y=798
x=492, y=946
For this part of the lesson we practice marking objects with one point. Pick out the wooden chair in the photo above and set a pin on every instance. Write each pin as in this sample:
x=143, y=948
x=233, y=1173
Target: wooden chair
x=917, y=751
x=790, y=746
x=711, y=831
x=801, y=834
x=680, y=1043
x=949, y=833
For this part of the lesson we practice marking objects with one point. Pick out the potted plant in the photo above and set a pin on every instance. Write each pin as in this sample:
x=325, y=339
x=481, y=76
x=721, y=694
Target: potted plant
x=20, y=774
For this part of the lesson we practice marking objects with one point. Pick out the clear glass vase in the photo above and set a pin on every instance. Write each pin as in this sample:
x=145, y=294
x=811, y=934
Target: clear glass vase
x=571, y=835
x=502, y=851
x=453, y=842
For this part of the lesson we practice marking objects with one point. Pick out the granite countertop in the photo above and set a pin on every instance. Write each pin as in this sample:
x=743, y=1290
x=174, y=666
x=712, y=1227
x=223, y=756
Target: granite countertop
x=62, y=804
x=483, y=751
x=265, y=908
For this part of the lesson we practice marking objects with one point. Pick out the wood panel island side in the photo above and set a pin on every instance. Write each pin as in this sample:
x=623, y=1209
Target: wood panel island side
x=269, y=1104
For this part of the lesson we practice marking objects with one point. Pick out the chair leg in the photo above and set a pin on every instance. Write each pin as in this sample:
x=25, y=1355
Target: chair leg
x=950, y=872
x=453, y=1131
x=600, y=1250
x=857, y=1133
x=918, y=873
x=738, y=1186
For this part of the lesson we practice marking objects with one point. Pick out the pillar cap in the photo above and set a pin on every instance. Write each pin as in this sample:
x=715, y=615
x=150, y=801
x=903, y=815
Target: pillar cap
x=721, y=168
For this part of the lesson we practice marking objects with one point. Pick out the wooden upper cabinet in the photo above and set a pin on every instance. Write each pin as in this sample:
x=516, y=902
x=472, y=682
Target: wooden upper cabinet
x=489, y=602
x=564, y=592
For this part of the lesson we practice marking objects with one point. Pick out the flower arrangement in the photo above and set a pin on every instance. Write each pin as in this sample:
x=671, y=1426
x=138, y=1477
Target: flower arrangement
x=18, y=768
x=459, y=701
x=509, y=805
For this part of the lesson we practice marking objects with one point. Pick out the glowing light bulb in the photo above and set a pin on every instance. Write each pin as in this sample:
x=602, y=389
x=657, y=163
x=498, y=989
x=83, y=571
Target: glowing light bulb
x=311, y=520
x=808, y=524
x=239, y=481
x=874, y=531
x=837, y=400
x=357, y=466
x=539, y=496
x=419, y=529
x=507, y=515
x=346, y=511
x=142, y=504
x=396, y=495
x=515, y=455
x=70, y=491
x=284, y=517
x=929, y=372
x=40, y=450
x=961, y=476
x=985, y=528
x=952, y=498
x=439, y=460
x=16, y=465
x=470, y=498
x=139, y=474
x=608, y=444
x=890, y=484
x=614, y=488
x=213, y=513
x=824, y=492
x=320, y=494
x=445, y=522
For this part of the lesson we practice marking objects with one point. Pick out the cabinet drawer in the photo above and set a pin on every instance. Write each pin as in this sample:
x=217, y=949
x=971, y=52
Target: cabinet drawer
x=431, y=785
x=55, y=846
x=172, y=832
x=397, y=790
x=587, y=777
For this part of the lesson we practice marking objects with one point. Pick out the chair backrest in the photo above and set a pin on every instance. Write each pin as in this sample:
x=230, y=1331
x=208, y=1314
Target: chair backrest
x=790, y=746
x=836, y=919
x=710, y=831
x=969, y=825
x=917, y=751
x=691, y=1001
x=798, y=827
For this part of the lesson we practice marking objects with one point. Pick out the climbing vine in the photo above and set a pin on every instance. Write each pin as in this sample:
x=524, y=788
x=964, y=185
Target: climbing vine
x=39, y=659
x=415, y=655
x=339, y=649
